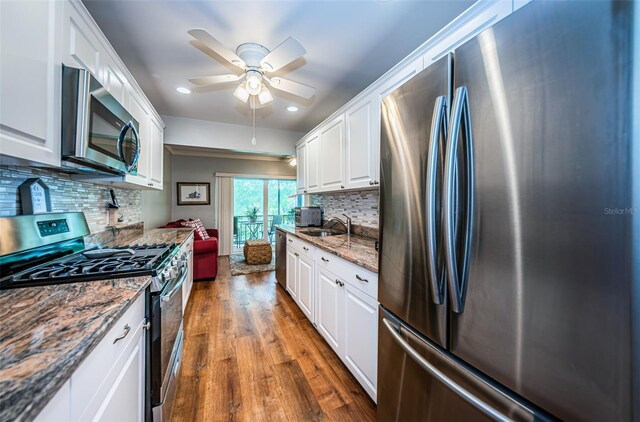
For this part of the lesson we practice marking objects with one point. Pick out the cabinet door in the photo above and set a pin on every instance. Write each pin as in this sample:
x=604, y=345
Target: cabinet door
x=329, y=308
x=292, y=273
x=360, y=352
x=125, y=399
x=362, y=142
x=30, y=80
x=331, y=158
x=157, y=154
x=313, y=162
x=305, y=286
x=81, y=45
x=301, y=168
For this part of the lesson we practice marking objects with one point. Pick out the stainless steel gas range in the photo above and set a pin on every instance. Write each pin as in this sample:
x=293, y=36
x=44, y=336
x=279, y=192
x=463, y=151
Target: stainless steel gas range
x=45, y=249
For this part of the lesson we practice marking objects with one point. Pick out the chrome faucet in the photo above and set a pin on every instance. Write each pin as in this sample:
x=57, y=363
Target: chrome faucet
x=347, y=225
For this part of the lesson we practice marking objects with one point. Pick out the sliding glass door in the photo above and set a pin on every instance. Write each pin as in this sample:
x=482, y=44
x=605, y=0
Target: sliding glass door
x=251, y=198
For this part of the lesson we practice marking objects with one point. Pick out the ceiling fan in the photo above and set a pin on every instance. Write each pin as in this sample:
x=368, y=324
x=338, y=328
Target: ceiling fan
x=256, y=61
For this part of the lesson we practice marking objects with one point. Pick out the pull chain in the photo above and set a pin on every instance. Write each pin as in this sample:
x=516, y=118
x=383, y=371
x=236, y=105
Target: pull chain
x=253, y=109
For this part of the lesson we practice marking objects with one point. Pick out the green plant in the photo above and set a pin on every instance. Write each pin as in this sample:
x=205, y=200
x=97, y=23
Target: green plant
x=252, y=213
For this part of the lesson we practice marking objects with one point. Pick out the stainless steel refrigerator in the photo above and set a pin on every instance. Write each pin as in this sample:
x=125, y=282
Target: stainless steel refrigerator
x=510, y=224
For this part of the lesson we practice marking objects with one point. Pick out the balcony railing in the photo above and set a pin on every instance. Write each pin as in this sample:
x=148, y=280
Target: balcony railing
x=245, y=228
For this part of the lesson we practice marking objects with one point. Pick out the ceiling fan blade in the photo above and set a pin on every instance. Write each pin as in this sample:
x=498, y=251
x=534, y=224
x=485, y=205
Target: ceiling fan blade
x=282, y=55
x=295, y=88
x=217, y=79
x=207, y=39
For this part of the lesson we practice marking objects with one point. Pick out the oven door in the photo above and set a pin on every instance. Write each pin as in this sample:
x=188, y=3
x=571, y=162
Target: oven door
x=98, y=133
x=165, y=329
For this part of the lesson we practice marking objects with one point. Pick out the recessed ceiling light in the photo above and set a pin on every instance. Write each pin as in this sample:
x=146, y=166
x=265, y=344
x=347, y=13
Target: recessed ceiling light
x=183, y=90
x=292, y=108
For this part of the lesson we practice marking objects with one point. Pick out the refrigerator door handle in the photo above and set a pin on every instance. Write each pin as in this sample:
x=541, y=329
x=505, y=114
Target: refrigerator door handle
x=457, y=279
x=439, y=128
x=436, y=373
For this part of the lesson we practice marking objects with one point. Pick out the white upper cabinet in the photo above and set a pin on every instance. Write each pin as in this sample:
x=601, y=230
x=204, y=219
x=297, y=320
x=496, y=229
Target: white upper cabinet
x=352, y=161
x=362, y=144
x=301, y=167
x=313, y=165
x=157, y=154
x=38, y=37
x=331, y=157
x=30, y=81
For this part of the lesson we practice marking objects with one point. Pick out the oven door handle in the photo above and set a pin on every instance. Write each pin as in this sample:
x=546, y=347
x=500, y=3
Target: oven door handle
x=167, y=296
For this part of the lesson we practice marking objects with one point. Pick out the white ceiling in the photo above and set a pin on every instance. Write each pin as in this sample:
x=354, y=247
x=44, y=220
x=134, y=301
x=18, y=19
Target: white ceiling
x=349, y=45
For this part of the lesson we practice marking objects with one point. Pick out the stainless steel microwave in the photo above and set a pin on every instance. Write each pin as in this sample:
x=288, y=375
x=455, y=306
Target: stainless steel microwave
x=98, y=134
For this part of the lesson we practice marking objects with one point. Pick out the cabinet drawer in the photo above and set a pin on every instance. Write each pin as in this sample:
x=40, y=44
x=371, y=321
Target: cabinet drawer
x=302, y=247
x=353, y=274
x=94, y=373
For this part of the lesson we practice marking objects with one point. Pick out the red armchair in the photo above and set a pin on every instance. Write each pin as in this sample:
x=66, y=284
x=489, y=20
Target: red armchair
x=205, y=253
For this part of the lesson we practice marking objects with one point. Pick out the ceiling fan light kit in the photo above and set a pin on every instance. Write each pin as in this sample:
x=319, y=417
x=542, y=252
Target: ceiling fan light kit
x=255, y=60
x=241, y=93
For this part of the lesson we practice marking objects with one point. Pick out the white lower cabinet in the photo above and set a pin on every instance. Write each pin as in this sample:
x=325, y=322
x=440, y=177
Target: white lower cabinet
x=110, y=384
x=186, y=251
x=306, y=286
x=300, y=277
x=292, y=272
x=339, y=298
x=360, y=348
x=125, y=399
x=329, y=308
x=58, y=408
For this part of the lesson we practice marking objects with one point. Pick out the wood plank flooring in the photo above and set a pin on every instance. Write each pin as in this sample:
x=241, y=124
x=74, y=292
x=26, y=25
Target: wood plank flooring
x=250, y=354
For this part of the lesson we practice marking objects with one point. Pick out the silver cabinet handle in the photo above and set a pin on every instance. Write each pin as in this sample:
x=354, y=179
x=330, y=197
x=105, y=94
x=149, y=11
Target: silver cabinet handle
x=362, y=279
x=147, y=325
x=127, y=328
x=436, y=373
x=341, y=186
x=290, y=240
x=296, y=254
x=305, y=248
x=324, y=259
x=457, y=280
x=438, y=129
x=339, y=283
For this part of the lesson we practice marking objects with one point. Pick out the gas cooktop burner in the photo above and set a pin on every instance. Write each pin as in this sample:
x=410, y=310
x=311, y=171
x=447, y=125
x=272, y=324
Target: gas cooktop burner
x=80, y=267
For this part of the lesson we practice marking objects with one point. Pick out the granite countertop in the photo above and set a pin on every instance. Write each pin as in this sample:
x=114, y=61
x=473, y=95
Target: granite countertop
x=137, y=237
x=46, y=332
x=360, y=250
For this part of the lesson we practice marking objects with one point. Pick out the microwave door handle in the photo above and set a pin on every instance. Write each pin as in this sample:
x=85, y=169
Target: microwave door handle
x=136, y=156
x=123, y=133
x=438, y=126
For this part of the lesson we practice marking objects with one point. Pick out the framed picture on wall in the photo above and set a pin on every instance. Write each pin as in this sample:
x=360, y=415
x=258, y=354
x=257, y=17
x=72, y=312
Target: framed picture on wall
x=194, y=193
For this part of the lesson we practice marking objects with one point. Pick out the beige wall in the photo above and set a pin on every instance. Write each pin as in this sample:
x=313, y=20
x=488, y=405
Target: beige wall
x=156, y=205
x=201, y=169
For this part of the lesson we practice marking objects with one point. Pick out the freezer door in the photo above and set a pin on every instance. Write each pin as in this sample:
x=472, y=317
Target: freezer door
x=419, y=381
x=547, y=310
x=410, y=184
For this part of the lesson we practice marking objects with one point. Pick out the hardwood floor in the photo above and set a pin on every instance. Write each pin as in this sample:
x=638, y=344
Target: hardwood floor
x=251, y=355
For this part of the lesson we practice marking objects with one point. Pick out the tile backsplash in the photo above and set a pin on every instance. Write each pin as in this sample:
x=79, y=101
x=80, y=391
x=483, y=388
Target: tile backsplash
x=361, y=206
x=69, y=195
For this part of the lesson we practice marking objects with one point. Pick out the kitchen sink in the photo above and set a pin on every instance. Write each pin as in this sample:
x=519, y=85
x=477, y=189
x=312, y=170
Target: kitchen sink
x=319, y=233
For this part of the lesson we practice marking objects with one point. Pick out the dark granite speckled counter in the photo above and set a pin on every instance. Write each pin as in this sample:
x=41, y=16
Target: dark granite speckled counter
x=357, y=249
x=47, y=332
